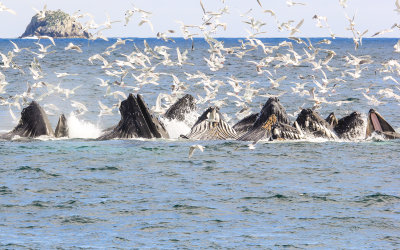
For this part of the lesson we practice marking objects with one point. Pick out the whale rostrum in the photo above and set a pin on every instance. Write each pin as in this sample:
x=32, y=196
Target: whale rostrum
x=33, y=123
x=271, y=123
x=136, y=122
x=62, y=127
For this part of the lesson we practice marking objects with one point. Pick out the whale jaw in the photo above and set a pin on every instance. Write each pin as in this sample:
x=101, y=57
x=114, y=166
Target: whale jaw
x=33, y=123
x=136, y=122
x=376, y=123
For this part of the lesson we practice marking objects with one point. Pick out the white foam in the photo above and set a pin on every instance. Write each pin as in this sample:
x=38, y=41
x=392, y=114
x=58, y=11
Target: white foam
x=82, y=129
x=176, y=128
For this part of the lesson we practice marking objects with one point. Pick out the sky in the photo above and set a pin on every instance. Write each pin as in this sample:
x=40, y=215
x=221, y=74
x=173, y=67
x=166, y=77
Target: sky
x=371, y=15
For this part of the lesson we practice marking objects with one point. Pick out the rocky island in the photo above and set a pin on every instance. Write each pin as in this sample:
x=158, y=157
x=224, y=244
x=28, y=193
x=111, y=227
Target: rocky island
x=56, y=24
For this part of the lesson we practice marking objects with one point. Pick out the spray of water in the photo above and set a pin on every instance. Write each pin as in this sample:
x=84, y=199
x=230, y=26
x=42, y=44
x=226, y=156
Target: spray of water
x=82, y=129
x=177, y=128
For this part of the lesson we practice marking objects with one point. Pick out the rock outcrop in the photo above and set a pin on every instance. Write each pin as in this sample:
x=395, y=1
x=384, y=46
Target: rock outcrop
x=56, y=24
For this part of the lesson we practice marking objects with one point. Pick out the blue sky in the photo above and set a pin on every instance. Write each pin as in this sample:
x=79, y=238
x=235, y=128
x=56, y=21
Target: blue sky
x=371, y=15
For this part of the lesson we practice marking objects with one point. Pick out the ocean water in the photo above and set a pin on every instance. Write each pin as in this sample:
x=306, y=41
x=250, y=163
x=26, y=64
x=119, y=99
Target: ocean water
x=82, y=193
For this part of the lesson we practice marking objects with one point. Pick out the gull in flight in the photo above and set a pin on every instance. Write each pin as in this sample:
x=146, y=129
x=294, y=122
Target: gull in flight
x=104, y=110
x=41, y=13
x=73, y=47
x=80, y=106
x=275, y=83
x=343, y=3
x=42, y=48
x=290, y=3
x=17, y=49
x=4, y=8
x=397, y=7
x=64, y=74
x=193, y=147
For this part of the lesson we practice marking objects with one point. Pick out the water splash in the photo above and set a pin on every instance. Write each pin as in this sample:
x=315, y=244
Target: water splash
x=177, y=128
x=82, y=129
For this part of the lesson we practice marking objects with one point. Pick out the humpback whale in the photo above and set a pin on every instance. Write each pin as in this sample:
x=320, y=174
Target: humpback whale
x=311, y=122
x=181, y=108
x=332, y=120
x=136, y=122
x=272, y=123
x=33, y=123
x=62, y=127
x=376, y=123
x=243, y=126
x=211, y=126
x=350, y=127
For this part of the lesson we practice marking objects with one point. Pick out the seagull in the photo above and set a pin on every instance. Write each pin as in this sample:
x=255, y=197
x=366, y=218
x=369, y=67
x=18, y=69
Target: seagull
x=372, y=100
x=103, y=83
x=291, y=3
x=343, y=3
x=42, y=48
x=64, y=74
x=128, y=15
x=106, y=64
x=104, y=110
x=275, y=83
x=41, y=13
x=397, y=47
x=4, y=8
x=397, y=3
x=45, y=37
x=80, y=106
x=296, y=29
x=16, y=48
x=193, y=147
x=73, y=47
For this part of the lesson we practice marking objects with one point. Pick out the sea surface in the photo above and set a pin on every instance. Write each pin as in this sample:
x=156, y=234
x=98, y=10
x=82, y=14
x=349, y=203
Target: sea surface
x=80, y=193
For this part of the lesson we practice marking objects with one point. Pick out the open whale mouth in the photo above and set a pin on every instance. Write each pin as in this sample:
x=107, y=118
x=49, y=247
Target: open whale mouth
x=376, y=123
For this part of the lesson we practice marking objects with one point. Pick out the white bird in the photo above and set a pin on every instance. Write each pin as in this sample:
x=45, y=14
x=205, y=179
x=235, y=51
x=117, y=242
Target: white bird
x=397, y=3
x=64, y=74
x=7, y=60
x=46, y=37
x=296, y=29
x=104, y=110
x=106, y=64
x=41, y=13
x=42, y=48
x=4, y=8
x=397, y=47
x=14, y=118
x=291, y=3
x=390, y=78
x=103, y=83
x=275, y=83
x=73, y=47
x=343, y=3
x=372, y=100
x=80, y=106
x=193, y=147
x=17, y=49
x=128, y=15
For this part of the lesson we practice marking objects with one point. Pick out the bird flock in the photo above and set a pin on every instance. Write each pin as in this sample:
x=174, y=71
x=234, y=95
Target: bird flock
x=149, y=65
